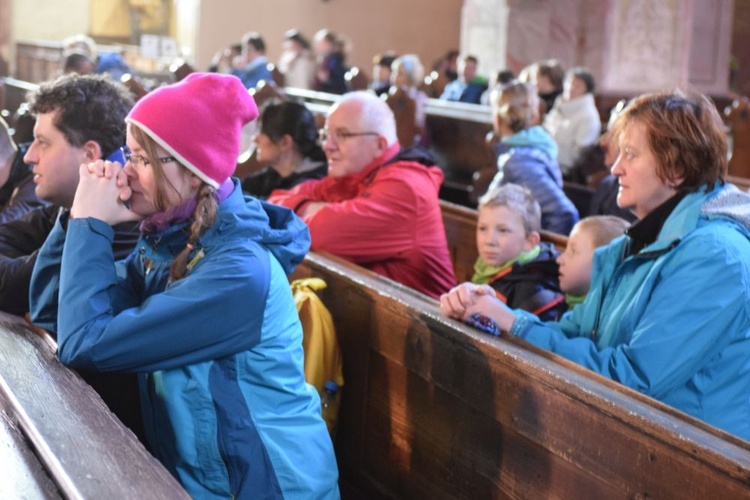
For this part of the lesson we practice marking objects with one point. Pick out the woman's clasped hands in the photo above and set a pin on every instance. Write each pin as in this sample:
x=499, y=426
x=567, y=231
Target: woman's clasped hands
x=468, y=299
x=103, y=192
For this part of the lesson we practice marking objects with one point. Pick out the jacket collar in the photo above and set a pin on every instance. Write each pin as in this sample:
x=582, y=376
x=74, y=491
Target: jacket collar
x=646, y=231
x=683, y=218
x=365, y=175
x=582, y=102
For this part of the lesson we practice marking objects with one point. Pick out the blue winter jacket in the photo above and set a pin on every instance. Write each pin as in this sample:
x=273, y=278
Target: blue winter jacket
x=672, y=321
x=529, y=158
x=219, y=352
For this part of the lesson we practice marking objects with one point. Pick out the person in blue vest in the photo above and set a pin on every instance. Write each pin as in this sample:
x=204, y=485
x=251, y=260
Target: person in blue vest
x=202, y=309
x=667, y=311
x=468, y=87
x=254, y=65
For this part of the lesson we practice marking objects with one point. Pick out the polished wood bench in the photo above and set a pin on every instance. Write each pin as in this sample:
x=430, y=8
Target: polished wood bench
x=434, y=409
x=65, y=441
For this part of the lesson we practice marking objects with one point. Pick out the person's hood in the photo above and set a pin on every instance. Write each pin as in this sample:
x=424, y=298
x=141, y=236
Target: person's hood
x=574, y=106
x=723, y=202
x=414, y=158
x=534, y=137
x=730, y=203
x=273, y=226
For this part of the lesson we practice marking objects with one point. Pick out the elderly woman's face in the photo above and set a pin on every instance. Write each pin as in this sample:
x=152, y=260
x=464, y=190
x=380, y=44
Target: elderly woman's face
x=641, y=190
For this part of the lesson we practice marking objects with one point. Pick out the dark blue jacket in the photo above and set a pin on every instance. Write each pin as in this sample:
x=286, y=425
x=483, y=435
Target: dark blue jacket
x=527, y=158
x=218, y=353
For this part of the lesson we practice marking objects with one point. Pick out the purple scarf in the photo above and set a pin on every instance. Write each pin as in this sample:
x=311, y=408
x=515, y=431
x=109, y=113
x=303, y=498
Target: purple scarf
x=158, y=222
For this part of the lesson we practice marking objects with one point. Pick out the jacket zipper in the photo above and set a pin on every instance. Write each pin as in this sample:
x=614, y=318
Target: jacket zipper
x=646, y=255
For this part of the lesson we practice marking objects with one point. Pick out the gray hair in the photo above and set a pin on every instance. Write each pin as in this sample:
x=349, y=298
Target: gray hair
x=412, y=66
x=517, y=199
x=374, y=114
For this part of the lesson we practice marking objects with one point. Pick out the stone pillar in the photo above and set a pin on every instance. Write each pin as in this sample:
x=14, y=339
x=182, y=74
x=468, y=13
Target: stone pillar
x=512, y=33
x=648, y=46
x=484, y=24
x=630, y=46
x=711, y=46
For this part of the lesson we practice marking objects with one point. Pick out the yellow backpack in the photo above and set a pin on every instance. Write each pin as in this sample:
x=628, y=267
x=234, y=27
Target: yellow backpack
x=322, y=354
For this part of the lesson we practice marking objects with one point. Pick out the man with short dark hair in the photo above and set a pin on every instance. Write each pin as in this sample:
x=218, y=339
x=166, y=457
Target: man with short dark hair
x=468, y=87
x=79, y=119
x=254, y=62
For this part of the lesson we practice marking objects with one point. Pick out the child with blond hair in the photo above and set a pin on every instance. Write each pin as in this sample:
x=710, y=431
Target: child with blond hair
x=575, y=262
x=512, y=260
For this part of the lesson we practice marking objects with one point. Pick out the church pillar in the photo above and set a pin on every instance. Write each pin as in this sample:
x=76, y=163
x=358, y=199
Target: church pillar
x=631, y=46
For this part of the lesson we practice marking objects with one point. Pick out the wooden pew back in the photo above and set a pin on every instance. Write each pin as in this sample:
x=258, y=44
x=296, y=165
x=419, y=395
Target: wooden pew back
x=741, y=182
x=404, y=111
x=80, y=445
x=434, y=409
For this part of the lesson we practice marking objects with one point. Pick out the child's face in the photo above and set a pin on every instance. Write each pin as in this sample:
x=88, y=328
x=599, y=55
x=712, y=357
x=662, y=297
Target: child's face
x=575, y=263
x=501, y=235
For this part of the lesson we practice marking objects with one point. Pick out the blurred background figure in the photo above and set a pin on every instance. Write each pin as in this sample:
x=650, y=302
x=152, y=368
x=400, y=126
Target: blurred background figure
x=17, y=189
x=549, y=81
x=574, y=121
x=407, y=73
x=105, y=62
x=254, y=64
x=331, y=67
x=381, y=72
x=297, y=62
x=468, y=87
x=223, y=60
x=497, y=80
x=78, y=63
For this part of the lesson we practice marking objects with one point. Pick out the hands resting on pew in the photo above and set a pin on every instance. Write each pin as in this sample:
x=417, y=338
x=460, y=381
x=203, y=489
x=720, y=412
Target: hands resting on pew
x=468, y=299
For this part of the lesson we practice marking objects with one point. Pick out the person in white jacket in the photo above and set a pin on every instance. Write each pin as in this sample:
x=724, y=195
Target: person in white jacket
x=574, y=121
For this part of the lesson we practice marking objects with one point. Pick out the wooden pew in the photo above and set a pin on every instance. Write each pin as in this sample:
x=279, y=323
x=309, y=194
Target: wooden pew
x=434, y=409
x=457, y=136
x=460, y=229
x=737, y=117
x=356, y=79
x=404, y=111
x=741, y=182
x=71, y=445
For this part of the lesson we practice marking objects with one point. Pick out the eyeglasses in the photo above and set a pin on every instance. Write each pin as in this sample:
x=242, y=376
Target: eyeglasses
x=340, y=135
x=140, y=161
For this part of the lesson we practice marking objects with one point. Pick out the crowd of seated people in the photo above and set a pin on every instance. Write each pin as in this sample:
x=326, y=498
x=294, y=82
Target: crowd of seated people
x=364, y=198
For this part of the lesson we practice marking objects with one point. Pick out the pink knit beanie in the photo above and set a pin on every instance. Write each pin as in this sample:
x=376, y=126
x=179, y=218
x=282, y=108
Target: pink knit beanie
x=199, y=121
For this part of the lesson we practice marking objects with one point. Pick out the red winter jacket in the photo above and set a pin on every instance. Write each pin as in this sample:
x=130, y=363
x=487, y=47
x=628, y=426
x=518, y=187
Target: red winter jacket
x=385, y=218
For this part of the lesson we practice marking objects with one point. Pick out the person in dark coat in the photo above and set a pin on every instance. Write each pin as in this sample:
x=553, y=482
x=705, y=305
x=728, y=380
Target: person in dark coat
x=287, y=145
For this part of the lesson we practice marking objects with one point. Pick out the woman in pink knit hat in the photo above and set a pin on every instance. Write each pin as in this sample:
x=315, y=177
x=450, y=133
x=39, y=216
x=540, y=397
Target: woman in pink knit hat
x=202, y=308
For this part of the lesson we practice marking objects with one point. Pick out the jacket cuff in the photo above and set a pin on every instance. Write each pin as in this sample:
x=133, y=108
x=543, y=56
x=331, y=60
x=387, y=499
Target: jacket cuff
x=93, y=225
x=520, y=326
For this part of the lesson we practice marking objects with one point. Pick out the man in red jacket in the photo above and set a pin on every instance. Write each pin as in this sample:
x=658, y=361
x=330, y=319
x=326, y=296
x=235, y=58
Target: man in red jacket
x=378, y=207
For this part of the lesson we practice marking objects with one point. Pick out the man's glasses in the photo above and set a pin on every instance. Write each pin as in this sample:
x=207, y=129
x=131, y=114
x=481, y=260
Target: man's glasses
x=140, y=161
x=340, y=135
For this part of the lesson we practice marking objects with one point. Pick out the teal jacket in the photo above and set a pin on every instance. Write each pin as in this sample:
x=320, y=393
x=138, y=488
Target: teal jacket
x=219, y=352
x=672, y=321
